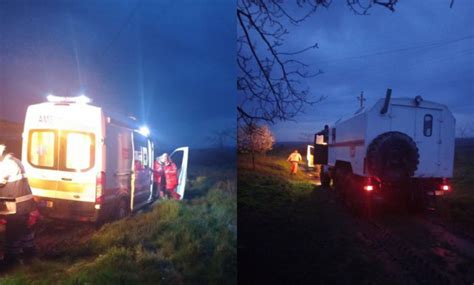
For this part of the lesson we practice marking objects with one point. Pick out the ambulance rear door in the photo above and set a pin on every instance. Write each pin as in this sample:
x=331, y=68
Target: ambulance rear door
x=180, y=158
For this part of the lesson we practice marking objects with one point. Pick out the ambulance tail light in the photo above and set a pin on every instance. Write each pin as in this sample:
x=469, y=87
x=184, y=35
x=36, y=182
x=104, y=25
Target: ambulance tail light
x=99, y=188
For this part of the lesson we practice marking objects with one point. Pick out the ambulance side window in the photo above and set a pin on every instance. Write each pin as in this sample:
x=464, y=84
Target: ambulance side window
x=140, y=152
x=428, y=125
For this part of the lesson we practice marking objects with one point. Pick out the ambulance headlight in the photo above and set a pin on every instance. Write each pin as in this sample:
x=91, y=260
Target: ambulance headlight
x=144, y=131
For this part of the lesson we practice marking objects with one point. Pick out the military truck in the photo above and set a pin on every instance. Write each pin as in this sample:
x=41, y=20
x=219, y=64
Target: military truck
x=400, y=148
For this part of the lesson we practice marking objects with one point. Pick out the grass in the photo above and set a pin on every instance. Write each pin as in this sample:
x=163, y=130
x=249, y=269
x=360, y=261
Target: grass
x=458, y=207
x=175, y=242
x=291, y=232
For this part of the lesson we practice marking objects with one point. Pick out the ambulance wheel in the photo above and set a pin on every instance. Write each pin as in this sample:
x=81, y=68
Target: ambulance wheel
x=122, y=209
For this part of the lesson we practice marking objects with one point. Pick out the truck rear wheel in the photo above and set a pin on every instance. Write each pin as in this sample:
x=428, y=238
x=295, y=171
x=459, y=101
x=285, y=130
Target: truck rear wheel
x=341, y=181
x=392, y=156
x=325, y=179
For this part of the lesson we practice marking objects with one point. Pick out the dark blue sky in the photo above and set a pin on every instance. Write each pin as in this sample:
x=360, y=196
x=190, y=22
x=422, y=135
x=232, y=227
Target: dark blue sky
x=170, y=64
x=423, y=48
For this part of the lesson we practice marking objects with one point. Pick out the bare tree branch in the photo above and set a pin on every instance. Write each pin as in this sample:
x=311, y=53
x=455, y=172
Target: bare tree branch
x=271, y=83
x=361, y=9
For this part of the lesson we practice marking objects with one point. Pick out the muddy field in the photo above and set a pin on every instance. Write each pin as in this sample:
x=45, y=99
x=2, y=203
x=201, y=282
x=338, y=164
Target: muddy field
x=293, y=231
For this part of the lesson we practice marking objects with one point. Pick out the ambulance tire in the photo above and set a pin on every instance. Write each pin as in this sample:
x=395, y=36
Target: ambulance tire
x=389, y=145
x=122, y=210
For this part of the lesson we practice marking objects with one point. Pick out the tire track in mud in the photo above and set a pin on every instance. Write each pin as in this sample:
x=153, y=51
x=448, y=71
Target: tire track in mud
x=413, y=261
x=436, y=262
x=447, y=257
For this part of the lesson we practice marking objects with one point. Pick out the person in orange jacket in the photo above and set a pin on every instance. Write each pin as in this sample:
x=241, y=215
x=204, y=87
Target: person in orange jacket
x=294, y=159
x=165, y=168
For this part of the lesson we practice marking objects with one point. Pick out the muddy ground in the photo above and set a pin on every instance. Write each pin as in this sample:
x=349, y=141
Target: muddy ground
x=312, y=238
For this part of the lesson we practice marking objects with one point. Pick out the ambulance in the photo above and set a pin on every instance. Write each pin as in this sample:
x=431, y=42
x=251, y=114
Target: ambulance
x=88, y=164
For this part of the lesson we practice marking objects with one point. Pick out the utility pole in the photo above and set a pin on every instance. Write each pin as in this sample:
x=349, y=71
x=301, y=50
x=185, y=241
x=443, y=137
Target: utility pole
x=361, y=99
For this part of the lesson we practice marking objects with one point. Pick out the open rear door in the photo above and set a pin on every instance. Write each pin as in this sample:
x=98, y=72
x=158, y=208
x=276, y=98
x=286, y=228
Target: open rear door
x=180, y=155
x=309, y=155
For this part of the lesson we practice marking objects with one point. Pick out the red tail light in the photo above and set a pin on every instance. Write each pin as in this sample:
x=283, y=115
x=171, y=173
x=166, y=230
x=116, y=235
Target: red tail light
x=445, y=186
x=99, y=187
x=368, y=185
x=3, y=222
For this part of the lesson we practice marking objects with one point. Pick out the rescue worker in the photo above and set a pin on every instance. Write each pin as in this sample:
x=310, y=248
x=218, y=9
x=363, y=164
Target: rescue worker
x=19, y=235
x=166, y=168
x=294, y=159
x=158, y=188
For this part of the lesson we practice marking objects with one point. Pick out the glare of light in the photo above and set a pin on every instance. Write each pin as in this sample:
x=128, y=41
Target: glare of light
x=83, y=99
x=144, y=131
x=369, y=187
x=445, y=187
x=52, y=98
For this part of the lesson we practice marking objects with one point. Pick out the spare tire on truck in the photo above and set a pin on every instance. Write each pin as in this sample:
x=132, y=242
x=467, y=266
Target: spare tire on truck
x=392, y=157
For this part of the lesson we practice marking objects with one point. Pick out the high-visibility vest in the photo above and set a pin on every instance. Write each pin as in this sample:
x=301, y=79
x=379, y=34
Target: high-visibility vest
x=14, y=184
x=295, y=157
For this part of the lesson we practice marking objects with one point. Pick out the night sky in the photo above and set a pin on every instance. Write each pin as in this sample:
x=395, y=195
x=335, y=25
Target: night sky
x=171, y=65
x=423, y=48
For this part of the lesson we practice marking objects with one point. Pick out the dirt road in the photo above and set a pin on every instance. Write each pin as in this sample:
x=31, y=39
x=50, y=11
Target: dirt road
x=311, y=238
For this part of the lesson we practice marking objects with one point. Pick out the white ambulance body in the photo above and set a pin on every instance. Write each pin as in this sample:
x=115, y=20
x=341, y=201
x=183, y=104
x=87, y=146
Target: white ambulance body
x=84, y=163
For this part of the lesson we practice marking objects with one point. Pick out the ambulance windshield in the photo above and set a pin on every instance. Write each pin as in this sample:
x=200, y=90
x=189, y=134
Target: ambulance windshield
x=61, y=150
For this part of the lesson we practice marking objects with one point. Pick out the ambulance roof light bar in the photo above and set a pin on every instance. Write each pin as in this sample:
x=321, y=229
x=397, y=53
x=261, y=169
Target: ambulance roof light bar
x=82, y=99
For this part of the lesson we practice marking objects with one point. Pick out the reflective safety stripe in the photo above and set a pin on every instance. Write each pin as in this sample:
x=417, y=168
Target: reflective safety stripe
x=24, y=198
x=61, y=186
x=17, y=177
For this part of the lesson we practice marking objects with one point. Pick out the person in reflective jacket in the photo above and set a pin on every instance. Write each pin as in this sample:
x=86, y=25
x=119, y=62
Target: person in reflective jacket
x=294, y=159
x=19, y=236
x=166, y=169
